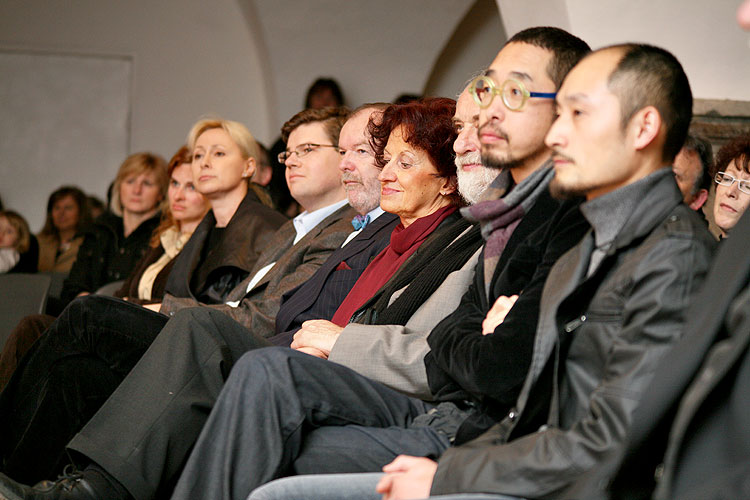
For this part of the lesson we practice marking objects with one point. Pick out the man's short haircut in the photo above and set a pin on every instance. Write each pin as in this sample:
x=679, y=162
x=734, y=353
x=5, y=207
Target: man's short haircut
x=651, y=76
x=736, y=149
x=333, y=118
x=701, y=147
x=566, y=49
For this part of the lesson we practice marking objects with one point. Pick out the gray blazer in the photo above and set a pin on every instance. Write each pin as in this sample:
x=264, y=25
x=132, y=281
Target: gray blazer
x=393, y=354
x=294, y=265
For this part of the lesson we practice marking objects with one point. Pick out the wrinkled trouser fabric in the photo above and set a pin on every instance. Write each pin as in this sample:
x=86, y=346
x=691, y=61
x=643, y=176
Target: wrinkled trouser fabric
x=144, y=432
x=65, y=377
x=283, y=412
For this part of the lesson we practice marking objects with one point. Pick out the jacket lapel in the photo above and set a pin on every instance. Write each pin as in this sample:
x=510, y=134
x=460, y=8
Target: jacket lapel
x=303, y=243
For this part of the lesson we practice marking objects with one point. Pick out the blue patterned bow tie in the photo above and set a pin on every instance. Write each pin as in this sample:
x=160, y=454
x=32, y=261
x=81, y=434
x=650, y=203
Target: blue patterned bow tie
x=360, y=221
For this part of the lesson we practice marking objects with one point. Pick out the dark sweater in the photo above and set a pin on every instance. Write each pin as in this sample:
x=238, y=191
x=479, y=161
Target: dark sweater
x=106, y=255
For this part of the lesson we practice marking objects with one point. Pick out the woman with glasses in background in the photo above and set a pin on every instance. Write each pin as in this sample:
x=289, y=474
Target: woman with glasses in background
x=732, y=176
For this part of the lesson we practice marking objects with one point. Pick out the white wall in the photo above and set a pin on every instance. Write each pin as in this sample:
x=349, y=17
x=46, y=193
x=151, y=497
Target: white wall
x=703, y=35
x=375, y=50
x=191, y=57
x=252, y=60
x=474, y=44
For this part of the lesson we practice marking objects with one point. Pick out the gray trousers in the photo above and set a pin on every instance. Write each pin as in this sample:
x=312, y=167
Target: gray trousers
x=283, y=412
x=144, y=432
x=342, y=487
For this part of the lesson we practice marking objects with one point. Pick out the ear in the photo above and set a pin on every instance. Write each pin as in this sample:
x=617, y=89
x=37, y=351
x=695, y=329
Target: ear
x=645, y=126
x=699, y=200
x=249, y=168
x=449, y=186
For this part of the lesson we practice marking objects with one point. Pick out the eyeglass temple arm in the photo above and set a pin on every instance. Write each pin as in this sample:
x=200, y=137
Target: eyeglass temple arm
x=549, y=95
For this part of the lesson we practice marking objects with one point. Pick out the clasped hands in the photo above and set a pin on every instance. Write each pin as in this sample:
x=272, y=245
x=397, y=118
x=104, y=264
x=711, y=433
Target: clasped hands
x=316, y=337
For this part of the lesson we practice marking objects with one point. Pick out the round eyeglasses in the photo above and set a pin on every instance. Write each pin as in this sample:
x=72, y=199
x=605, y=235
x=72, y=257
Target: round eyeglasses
x=513, y=93
x=302, y=150
x=724, y=179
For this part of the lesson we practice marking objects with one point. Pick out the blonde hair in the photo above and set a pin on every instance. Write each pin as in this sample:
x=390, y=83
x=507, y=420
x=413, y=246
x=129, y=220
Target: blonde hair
x=137, y=164
x=22, y=228
x=237, y=131
x=244, y=140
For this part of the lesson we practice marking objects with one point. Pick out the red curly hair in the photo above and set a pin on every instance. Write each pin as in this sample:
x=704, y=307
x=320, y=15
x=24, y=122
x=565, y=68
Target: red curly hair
x=427, y=125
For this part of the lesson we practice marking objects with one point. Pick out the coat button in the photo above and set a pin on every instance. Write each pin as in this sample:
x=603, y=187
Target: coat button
x=659, y=472
x=513, y=415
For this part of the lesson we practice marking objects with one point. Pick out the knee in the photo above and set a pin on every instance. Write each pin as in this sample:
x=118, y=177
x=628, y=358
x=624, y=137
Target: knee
x=266, y=360
x=200, y=315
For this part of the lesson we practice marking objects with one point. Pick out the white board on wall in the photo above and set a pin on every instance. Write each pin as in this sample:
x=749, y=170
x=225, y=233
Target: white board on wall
x=64, y=119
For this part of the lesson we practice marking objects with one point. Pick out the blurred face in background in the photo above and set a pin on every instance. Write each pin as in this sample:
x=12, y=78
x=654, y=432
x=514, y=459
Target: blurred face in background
x=185, y=202
x=65, y=214
x=140, y=194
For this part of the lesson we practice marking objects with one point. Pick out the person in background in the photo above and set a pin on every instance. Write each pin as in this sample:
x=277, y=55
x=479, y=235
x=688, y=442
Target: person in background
x=14, y=240
x=264, y=171
x=691, y=168
x=117, y=240
x=324, y=92
x=186, y=208
x=112, y=246
x=95, y=205
x=731, y=173
x=60, y=238
x=147, y=281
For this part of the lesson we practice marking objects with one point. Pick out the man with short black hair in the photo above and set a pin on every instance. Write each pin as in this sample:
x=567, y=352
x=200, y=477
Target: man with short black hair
x=691, y=169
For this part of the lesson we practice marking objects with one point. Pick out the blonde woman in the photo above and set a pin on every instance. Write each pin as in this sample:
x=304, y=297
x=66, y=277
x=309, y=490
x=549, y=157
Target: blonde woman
x=97, y=340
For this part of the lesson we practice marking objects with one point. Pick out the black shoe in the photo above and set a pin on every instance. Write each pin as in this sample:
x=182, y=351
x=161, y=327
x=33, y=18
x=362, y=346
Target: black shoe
x=90, y=484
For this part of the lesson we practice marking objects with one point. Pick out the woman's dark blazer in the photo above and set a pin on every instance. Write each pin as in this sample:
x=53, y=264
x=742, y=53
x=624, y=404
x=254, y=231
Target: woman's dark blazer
x=244, y=238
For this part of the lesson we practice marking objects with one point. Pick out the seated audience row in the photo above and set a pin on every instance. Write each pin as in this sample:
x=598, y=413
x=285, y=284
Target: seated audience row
x=506, y=351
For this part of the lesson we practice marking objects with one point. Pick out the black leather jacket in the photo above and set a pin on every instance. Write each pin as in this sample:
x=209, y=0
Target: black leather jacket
x=598, y=342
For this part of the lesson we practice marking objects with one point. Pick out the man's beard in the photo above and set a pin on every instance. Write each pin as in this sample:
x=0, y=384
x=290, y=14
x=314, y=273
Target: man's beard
x=364, y=197
x=490, y=160
x=471, y=184
x=561, y=192
x=493, y=162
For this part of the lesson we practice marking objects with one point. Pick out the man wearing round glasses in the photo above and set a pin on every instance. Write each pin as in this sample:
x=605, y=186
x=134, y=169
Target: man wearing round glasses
x=513, y=125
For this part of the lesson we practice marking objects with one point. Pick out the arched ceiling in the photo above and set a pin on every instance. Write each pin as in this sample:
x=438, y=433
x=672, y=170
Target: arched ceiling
x=376, y=50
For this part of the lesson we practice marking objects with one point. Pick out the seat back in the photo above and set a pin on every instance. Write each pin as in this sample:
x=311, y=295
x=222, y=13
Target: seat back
x=20, y=295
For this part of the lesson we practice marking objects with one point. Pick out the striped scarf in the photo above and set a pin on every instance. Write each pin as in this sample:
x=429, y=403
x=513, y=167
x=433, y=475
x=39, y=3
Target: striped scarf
x=502, y=207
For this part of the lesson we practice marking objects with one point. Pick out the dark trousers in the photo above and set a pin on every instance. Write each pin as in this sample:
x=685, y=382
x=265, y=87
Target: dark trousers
x=284, y=412
x=23, y=336
x=144, y=432
x=65, y=377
